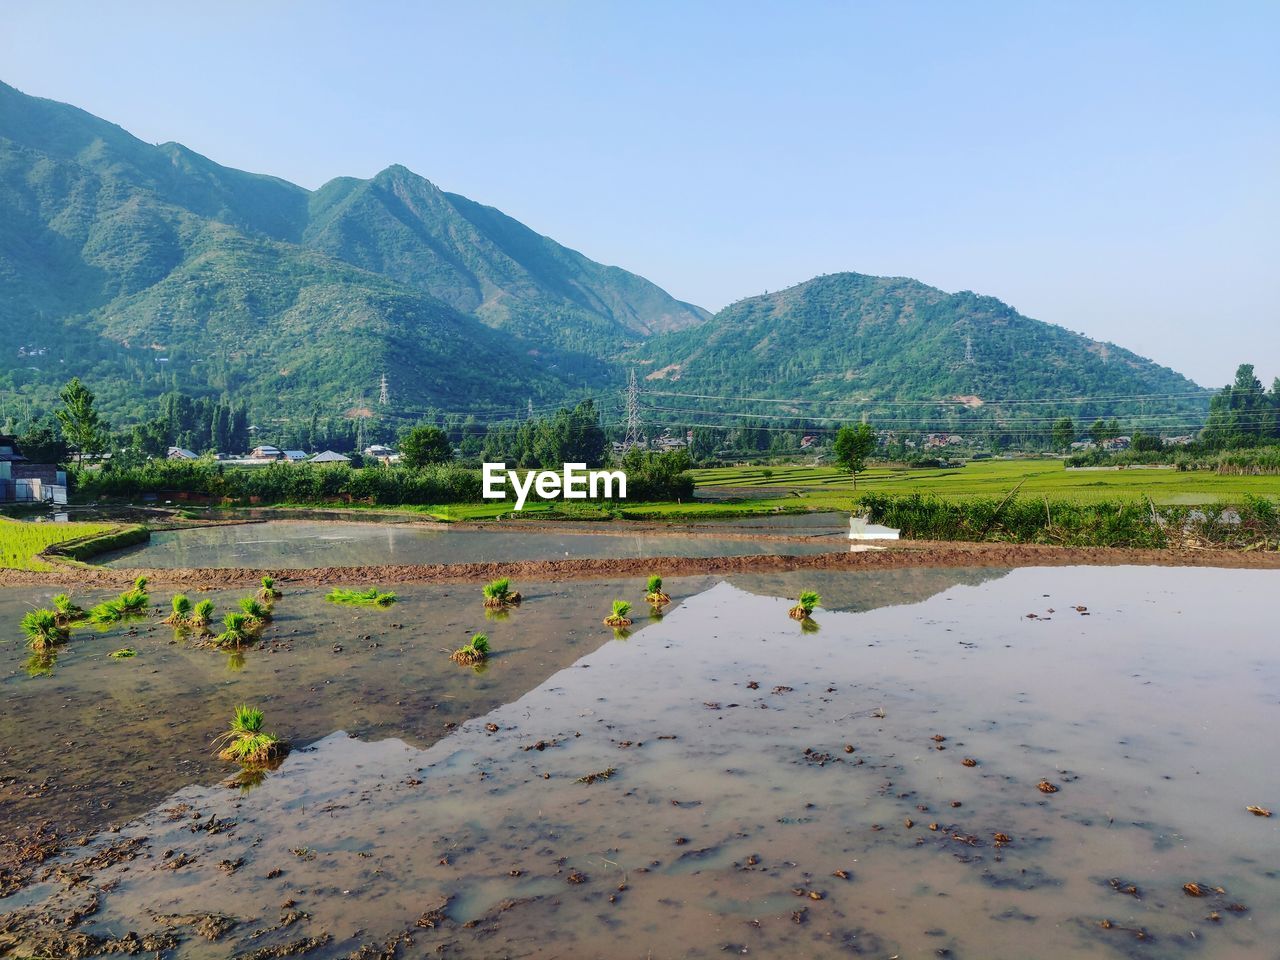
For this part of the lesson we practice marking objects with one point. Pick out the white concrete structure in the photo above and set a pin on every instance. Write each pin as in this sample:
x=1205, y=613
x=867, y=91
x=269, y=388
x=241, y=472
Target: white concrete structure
x=860, y=529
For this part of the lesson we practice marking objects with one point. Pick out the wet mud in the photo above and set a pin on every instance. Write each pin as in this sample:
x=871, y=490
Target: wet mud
x=724, y=781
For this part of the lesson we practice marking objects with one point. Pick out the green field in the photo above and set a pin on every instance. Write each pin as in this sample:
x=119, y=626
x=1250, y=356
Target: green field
x=742, y=491
x=21, y=541
x=818, y=486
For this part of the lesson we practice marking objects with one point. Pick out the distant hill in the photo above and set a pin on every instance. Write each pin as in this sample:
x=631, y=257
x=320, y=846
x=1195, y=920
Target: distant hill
x=145, y=268
x=142, y=267
x=847, y=336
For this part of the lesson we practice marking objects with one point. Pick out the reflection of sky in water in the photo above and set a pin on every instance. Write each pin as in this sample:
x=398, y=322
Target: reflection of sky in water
x=727, y=798
x=316, y=544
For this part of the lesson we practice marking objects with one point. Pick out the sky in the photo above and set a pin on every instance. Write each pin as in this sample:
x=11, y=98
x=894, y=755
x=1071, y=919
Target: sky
x=1112, y=168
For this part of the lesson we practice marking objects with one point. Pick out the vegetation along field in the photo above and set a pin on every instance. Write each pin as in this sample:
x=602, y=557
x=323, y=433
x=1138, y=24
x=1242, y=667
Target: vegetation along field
x=989, y=478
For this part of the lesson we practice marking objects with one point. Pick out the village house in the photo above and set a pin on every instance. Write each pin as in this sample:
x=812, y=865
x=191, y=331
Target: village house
x=329, y=457
x=25, y=482
x=181, y=453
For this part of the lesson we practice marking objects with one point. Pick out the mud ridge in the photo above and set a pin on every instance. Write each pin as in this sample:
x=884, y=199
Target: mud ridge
x=913, y=554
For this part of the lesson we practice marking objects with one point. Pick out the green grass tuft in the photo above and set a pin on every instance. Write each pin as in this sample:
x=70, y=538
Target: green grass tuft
x=370, y=597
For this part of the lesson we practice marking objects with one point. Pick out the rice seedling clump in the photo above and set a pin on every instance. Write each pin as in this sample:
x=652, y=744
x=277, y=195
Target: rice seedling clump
x=653, y=593
x=371, y=597
x=43, y=630
x=805, y=605
x=237, y=631
x=618, y=616
x=67, y=610
x=476, y=651
x=498, y=593
x=181, y=610
x=246, y=743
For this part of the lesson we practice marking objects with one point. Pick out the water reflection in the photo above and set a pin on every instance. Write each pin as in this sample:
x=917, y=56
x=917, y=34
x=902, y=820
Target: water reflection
x=295, y=543
x=777, y=793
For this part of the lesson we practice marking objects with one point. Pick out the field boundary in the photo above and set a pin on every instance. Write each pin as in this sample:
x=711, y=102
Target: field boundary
x=905, y=554
x=81, y=549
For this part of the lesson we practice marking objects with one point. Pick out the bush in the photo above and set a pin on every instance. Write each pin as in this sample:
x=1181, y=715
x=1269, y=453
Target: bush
x=1251, y=522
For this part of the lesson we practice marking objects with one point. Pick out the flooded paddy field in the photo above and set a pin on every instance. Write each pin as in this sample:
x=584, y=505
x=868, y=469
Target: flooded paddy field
x=301, y=543
x=958, y=763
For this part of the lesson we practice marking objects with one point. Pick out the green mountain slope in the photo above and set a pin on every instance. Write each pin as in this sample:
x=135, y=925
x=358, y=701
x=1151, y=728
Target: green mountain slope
x=144, y=268
x=850, y=337
x=481, y=261
x=141, y=267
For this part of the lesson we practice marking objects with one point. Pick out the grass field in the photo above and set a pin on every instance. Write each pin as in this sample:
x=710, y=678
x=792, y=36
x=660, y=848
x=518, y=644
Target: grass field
x=989, y=478
x=21, y=541
x=742, y=491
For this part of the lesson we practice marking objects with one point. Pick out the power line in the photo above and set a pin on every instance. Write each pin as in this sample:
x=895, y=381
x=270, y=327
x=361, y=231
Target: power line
x=808, y=418
x=950, y=401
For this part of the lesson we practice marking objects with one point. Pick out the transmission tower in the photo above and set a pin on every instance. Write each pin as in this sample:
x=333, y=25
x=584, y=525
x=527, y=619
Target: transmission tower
x=529, y=416
x=633, y=438
x=384, y=394
x=968, y=348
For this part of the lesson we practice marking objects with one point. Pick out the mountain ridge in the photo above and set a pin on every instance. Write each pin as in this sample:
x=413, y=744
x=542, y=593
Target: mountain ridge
x=146, y=268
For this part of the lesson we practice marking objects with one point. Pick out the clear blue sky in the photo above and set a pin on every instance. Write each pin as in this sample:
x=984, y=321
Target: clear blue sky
x=1110, y=167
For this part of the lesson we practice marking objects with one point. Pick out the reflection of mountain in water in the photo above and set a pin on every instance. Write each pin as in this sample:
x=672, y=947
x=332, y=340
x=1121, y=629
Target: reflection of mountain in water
x=859, y=590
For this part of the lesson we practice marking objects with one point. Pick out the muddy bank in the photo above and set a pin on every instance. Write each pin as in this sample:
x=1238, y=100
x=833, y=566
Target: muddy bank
x=910, y=554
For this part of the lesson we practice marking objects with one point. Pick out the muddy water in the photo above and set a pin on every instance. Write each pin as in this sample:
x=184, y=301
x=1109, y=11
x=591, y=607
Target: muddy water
x=86, y=740
x=294, y=543
x=733, y=801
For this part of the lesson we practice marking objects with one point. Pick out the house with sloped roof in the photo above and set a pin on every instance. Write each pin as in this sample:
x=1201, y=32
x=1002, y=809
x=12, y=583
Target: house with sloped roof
x=329, y=456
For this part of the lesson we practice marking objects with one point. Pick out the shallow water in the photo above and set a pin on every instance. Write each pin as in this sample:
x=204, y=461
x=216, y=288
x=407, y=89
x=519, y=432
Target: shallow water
x=300, y=543
x=731, y=808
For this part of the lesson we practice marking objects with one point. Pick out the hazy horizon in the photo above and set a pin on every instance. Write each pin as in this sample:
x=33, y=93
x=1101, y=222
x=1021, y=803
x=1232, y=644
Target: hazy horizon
x=1112, y=171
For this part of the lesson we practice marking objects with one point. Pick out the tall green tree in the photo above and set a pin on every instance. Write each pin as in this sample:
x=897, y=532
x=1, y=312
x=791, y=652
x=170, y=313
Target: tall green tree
x=1064, y=434
x=85, y=430
x=852, y=447
x=43, y=443
x=423, y=445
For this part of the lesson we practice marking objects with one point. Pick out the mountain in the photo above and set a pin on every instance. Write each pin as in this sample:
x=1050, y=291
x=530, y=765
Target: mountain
x=887, y=340
x=146, y=268
x=480, y=261
x=142, y=268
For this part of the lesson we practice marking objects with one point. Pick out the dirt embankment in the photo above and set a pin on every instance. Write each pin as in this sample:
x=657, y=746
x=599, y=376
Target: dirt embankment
x=910, y=554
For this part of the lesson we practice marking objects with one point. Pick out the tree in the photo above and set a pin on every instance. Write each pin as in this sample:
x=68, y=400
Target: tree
x=423, y=445
x=1064, y=434
x=81, y=425
x=43, y=443
x=852, y=447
